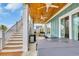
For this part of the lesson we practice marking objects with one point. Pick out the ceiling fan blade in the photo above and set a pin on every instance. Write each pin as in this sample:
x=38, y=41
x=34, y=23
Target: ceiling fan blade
x=42, y=7
x=54, y=6
x=43, y=17
x=48, y=4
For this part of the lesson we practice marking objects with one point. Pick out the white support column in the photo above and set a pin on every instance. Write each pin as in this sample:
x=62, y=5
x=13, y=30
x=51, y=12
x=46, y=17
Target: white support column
x=70, y=27
x=50, y=30
x=59, y=28
x=31, y=25
x=25, y=28
x=45, y=27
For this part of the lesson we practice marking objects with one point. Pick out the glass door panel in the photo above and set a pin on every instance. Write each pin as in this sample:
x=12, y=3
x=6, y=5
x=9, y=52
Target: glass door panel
x=65, y=27
x=62, y=28
x=75, y=26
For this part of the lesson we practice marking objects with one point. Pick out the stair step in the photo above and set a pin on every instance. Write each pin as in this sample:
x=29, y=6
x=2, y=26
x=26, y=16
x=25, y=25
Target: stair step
x=17, y=34
x=14, y=50
x=14, y=44
x=17, y=53
x=15, y=37
x=11, y=38
x=15, y=40
x=8, y=48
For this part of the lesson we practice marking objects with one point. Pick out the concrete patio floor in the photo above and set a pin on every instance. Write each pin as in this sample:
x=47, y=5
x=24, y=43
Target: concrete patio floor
x=58, y=47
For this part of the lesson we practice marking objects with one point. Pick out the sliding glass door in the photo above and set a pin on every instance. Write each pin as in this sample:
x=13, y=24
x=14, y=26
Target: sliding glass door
x=75, y=26
x=62, y=28
x=65, y=27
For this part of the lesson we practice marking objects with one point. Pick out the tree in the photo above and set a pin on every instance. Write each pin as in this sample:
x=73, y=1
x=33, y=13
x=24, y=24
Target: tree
x=3, y=27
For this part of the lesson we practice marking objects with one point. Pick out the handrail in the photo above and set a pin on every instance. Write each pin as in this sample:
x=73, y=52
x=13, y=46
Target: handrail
x=7, y=35
x=15, y=28
x=14, y=25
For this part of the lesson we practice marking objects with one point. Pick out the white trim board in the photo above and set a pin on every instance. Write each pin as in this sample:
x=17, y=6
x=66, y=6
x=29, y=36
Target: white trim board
x=59, y=12
x=70, y=13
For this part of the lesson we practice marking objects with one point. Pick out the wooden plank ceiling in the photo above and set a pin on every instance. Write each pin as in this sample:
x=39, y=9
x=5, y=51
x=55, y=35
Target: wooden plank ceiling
x=36, y=13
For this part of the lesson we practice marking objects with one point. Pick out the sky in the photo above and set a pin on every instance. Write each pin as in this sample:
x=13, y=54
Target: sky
x=10, y=13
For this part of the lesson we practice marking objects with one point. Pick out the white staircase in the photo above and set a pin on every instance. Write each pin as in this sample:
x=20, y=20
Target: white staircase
x=13, y=46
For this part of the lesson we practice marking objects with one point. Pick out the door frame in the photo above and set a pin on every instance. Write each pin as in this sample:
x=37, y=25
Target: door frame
x=70, y=13
x=49, y=35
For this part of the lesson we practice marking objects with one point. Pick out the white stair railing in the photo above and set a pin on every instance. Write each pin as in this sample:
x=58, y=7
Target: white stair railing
x=0, y=40
x=15, y=28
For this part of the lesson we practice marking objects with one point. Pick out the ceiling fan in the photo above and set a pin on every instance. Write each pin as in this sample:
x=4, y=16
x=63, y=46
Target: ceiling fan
x=48, y=5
